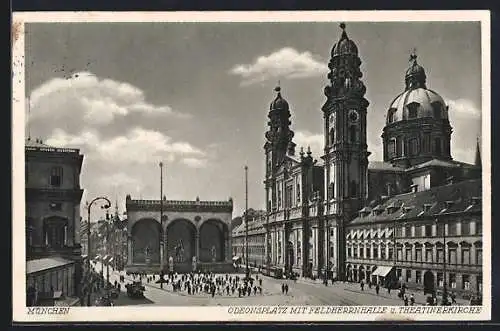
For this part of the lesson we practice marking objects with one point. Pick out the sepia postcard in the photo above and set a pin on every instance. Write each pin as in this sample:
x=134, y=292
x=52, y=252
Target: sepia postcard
x=251, y=166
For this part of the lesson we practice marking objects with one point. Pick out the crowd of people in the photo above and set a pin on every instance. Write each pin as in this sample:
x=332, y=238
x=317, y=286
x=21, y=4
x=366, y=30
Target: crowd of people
x=197, y=283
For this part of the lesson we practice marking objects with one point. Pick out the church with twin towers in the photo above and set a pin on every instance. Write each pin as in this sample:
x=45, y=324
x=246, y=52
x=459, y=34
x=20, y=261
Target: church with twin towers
x=341, y=216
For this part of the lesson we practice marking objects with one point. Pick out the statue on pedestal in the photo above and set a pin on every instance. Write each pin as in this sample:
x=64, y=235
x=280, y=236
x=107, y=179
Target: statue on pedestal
x=179, y=252
x=214, y=253
x=194, y=263
x=171, y=264
x=146, y=254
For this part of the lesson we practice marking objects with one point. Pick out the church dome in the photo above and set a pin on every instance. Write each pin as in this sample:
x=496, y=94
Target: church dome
x=345, y=45
x=417, y=101
x=279, y=103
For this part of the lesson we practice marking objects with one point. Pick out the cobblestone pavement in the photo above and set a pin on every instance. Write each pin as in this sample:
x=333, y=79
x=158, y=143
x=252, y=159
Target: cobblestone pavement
x=301, y=292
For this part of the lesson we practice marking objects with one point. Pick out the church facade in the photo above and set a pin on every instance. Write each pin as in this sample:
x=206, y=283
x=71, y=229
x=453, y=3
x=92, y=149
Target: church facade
x=344, y=217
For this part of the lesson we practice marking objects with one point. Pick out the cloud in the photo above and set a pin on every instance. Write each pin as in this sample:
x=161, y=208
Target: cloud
x=463, y=107
x=195, y=162
x=284, y=63
x=307, y=139
x=88, y=98
x=139, y=146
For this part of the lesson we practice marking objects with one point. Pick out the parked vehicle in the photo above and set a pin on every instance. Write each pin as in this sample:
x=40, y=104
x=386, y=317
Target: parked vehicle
x=135, y=289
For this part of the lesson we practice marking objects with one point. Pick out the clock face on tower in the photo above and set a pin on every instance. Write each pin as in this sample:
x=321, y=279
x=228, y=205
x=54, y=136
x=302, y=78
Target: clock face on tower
x=353, y=115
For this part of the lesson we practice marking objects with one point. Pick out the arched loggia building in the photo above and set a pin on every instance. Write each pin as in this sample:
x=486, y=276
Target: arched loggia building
x=193, y=235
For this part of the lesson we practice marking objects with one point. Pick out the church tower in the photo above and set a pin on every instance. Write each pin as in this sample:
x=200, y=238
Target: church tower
x=345, y=147
x=278, y=144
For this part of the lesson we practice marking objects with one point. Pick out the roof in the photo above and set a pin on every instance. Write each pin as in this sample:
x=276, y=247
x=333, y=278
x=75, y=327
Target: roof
x=459, y=197
x=35, y=143
x=254, y=227
x=442, y=163
x=383, y=166
x=33, y=266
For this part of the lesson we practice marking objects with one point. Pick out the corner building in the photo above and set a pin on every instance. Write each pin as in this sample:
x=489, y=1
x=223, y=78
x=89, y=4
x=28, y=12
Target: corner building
x=53, y=250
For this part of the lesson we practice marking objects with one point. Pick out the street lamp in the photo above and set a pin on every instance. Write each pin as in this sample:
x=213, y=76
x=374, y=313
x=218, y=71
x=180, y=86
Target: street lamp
x=162, y=236
x=444, y=300
x=247, y=272
x=106, y=206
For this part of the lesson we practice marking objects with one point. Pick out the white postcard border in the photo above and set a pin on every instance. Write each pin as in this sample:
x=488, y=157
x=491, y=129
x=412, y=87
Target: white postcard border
x=220, y=313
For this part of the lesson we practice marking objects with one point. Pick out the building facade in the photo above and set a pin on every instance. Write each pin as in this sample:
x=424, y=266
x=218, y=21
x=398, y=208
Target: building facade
x=256, y=241
x=294, y=190
x=192, y=235
x=53, y=194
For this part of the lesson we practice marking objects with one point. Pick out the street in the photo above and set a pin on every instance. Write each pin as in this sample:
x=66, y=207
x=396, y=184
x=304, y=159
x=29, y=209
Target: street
x=301, y=292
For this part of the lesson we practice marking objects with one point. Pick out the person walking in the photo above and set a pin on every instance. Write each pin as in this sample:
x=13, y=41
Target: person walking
x=286, y=288
x=362, y=286
x=377, y=288
x=282, y=288
x=412, y=300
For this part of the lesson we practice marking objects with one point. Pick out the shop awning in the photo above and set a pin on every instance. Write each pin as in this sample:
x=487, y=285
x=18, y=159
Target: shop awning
x=382, y=271
x=38, y=265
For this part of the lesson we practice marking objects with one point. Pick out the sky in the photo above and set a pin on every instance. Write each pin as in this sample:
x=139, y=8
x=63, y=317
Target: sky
x=196, y=96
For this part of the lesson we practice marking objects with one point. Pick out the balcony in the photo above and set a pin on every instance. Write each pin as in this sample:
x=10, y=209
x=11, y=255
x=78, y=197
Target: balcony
x=42, y=251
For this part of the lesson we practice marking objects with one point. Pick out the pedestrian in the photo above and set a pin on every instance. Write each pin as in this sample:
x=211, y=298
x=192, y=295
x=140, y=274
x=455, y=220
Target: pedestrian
x=260, y=281
x=453, y=297
x=282, y=288
x=362, y=286
x=286, y=288
x=388, y=289
x=255, y=290
x=412, y=300
x=377, y=288
x=370, y=285
x=260, y=290
x=405, y=299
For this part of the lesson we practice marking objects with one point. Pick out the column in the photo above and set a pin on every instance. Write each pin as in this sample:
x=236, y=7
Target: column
x=129, y=247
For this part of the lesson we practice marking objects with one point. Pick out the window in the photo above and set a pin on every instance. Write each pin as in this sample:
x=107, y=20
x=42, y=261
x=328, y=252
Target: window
x=332, y=136
x=440, y=254
x=348, y=251
x=332, y=232
x=331, y=190
x=56, y=176
x=436, y=110
x=391, y=115
x=288, y=197
x=352, y=188
x=452, y=281
x=400, y=253
x=408, y=276
x=479, y=284
x=465, y=228
x=452, y=229
x=452, y=255
x=408, y=254
x=391, y=148
x=437, y=145
x=418, y=253
x=479, y=256
x=353, y=134
x=399, y=232
x=367, y=252
x=465, y=255
x=413, y=146
x=332, y=251
x=355, y=252
x=479, y=228
x=361, y=251
x=418, y=231
x=408, y=231
x=440, y=279
x=391, y=253
x=412, y=110
x=398, y=273
x=298, y=193
x=465, y=282
x=418, y=277
x=428, y=231
x=382, y=252
x=440, y=229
